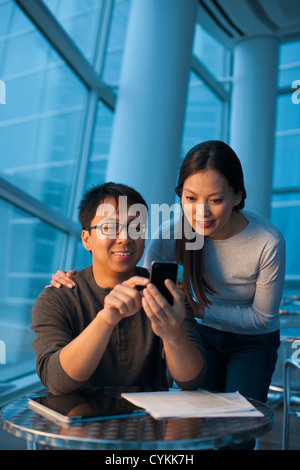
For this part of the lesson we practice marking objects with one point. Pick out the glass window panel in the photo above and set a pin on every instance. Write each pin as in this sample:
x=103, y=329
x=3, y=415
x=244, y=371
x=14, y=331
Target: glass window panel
x=287, y=162
x=31, y=252
x=116, y=40
x=288, y=113
x=5, y=15
x=83, y=258
x=210, y=52
x=203, y=115
x=100, y=146
x=41, y=120
x=288, y=75
x=80, y=19
x=289, y=63
x=96, y=168
x=285, y=212
x=285, y=207
x=11, y=21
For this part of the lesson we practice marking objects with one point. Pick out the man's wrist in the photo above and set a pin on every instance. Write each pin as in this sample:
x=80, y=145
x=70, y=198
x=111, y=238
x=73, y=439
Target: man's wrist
x=104, y=318
x=176, y=338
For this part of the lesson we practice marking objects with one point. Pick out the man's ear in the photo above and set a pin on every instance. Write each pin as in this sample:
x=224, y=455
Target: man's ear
x=85, y=238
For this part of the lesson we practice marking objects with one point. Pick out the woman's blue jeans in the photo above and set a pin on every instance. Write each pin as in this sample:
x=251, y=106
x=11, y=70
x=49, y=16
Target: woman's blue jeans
x=238, y=362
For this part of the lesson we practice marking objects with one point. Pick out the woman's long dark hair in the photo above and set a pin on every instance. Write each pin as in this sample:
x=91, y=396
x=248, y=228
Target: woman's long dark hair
x=218, y=156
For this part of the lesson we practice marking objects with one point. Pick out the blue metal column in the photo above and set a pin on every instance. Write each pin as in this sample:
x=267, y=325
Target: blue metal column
x=149, y=117
x=253, y=116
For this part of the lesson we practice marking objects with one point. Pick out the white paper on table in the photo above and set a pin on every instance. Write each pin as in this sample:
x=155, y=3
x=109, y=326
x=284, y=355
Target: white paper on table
x=192, y=404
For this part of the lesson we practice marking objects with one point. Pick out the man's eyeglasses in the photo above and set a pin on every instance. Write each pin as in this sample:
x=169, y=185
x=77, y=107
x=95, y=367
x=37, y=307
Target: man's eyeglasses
x=110, y=229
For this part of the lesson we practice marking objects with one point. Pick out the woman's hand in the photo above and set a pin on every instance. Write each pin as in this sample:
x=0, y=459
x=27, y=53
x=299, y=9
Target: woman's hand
x=63, y=278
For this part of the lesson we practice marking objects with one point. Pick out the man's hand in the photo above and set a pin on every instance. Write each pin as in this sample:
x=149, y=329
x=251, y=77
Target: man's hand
x=80, y=357
x=124, y=300
x=185, y=361
x=166, y=320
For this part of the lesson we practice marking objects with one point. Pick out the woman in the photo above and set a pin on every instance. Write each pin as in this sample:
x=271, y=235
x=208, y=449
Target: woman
x=234, y=283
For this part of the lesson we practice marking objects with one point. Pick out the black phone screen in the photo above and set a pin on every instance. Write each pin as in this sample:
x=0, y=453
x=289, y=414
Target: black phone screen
x=159, y=273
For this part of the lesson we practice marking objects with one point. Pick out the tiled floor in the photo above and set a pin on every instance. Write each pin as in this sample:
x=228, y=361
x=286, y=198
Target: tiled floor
x=273, y=440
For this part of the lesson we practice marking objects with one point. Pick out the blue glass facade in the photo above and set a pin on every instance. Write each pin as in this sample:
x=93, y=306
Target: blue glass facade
x=285, y=204
x=55, y=144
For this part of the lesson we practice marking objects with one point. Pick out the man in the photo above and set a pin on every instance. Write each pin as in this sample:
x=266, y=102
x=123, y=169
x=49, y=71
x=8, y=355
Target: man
x=114, y=328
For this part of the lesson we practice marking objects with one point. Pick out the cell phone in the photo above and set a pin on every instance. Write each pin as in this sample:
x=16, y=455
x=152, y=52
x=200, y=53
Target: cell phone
x=161, y=271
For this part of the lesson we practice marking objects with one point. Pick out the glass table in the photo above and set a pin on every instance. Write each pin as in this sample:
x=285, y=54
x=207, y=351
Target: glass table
x=136, y=432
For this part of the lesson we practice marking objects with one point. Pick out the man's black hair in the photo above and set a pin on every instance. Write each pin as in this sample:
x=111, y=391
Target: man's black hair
x=97, y=195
